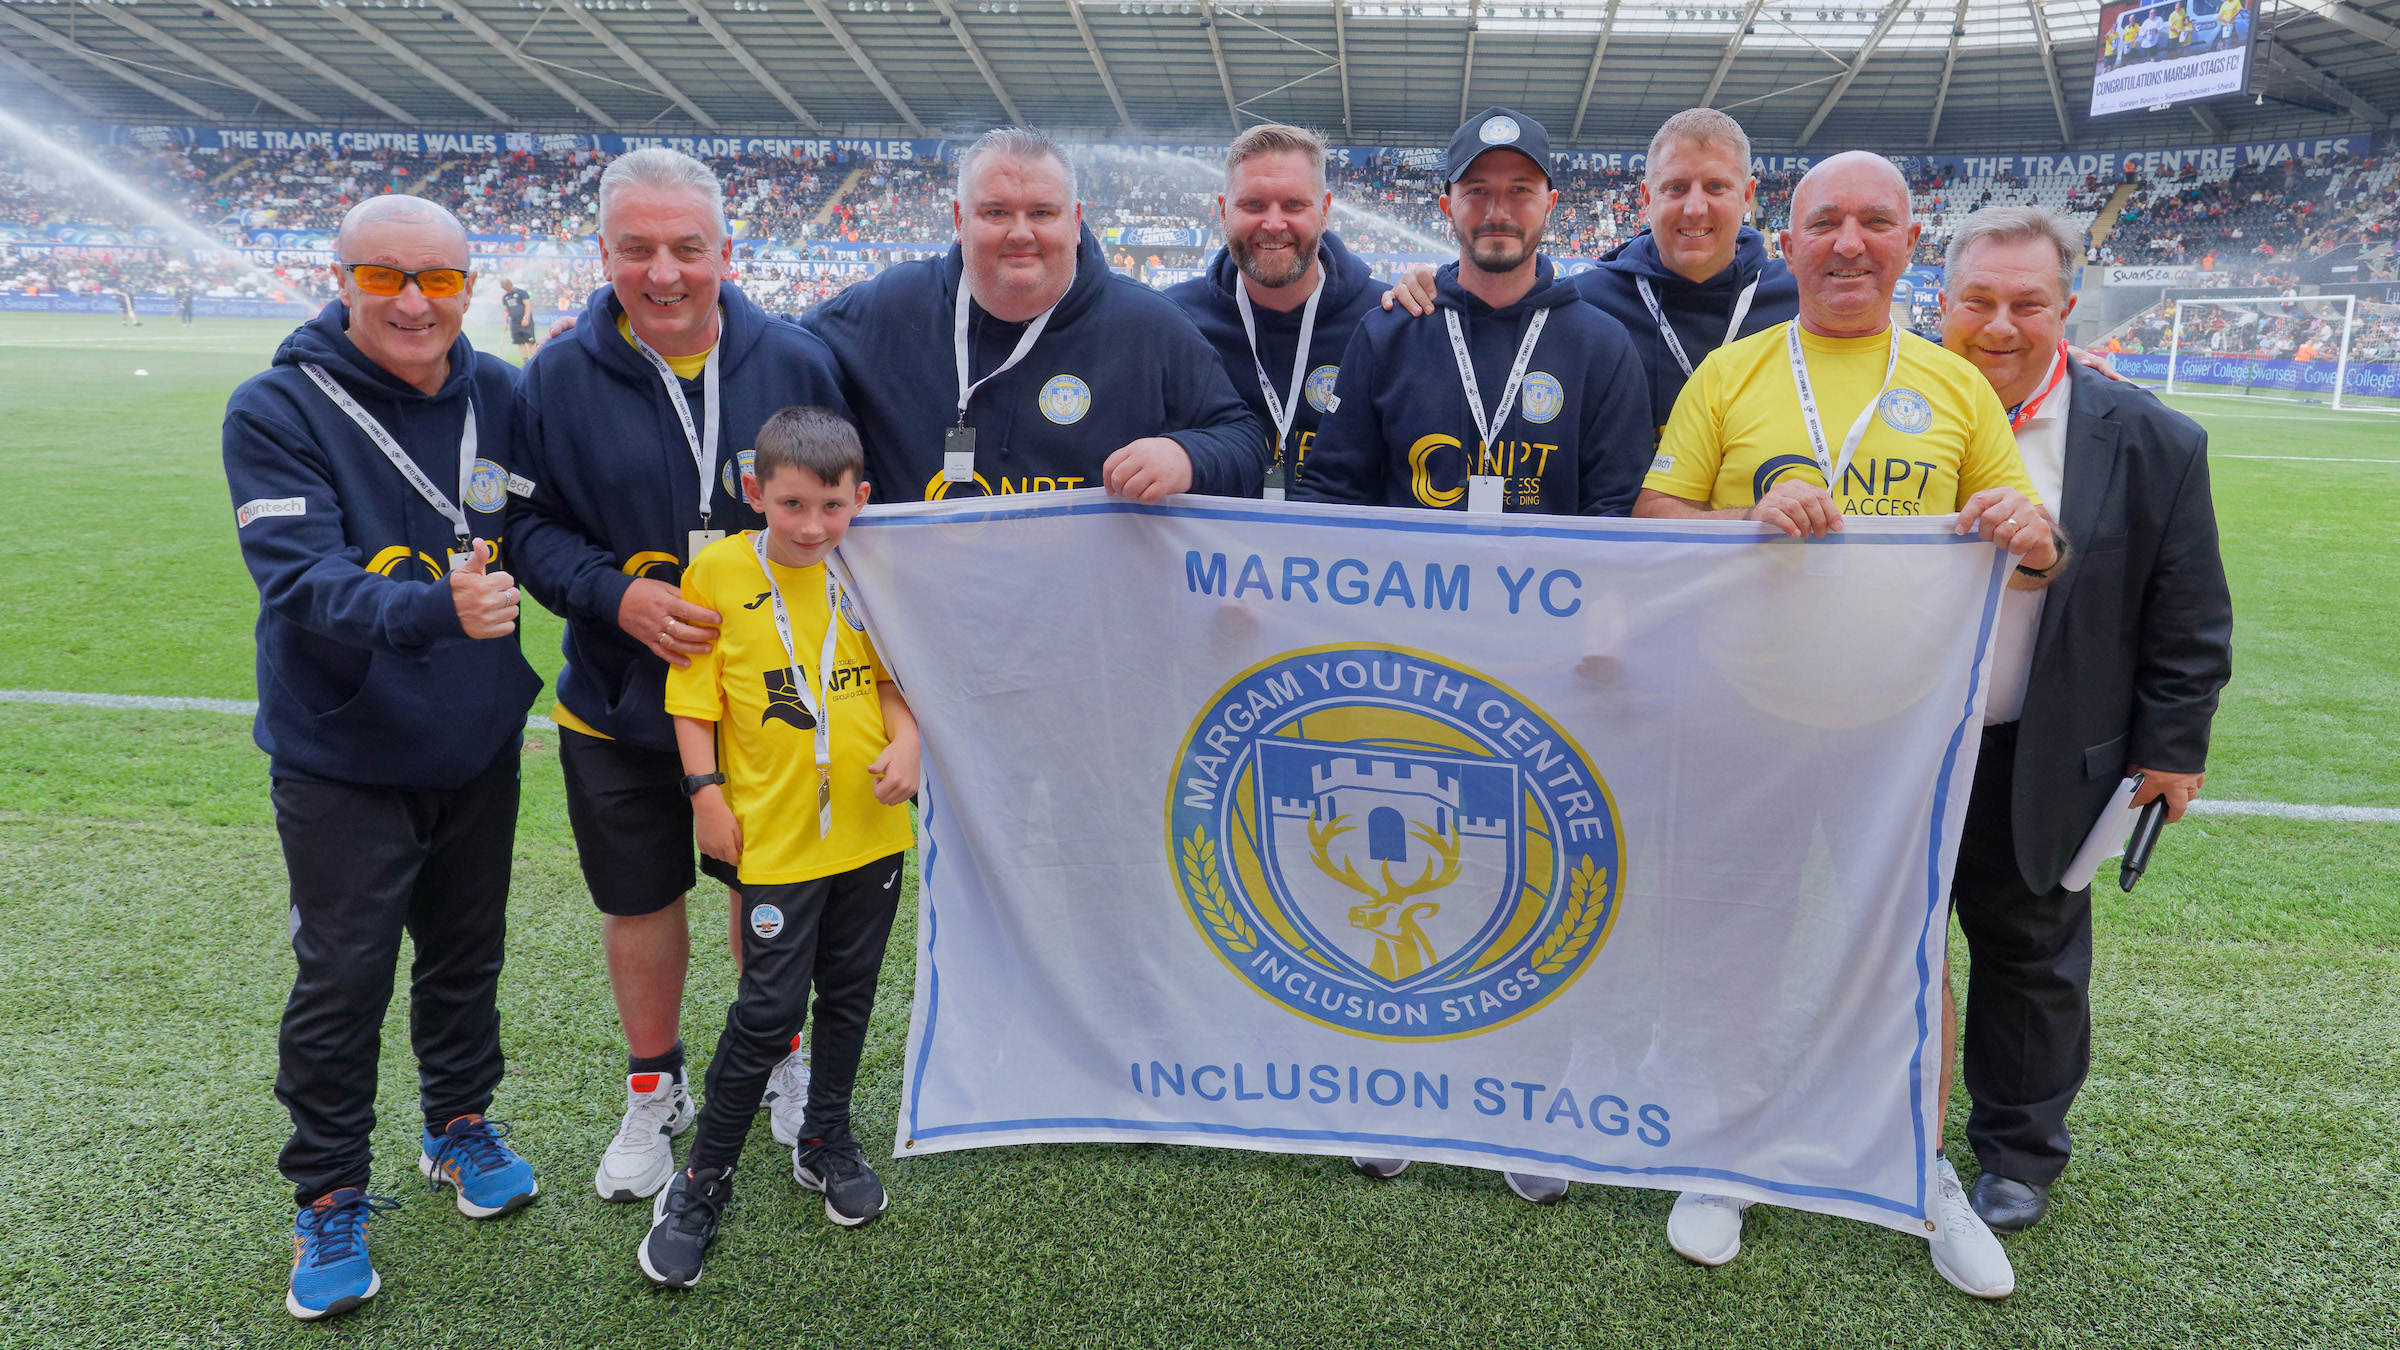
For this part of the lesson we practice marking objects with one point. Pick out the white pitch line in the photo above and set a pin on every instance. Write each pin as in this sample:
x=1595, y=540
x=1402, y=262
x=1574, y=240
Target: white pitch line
x=2384, y=815
x=2307, y=459
x=242, y=707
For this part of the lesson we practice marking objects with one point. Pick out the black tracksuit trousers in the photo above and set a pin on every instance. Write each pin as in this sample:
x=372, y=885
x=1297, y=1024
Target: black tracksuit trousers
x=829, y=933
x=2028, y=1034
x=367, y=863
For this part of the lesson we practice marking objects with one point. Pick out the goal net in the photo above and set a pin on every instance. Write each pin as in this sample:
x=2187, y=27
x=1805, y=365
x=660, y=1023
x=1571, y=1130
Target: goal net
x=2333, y=350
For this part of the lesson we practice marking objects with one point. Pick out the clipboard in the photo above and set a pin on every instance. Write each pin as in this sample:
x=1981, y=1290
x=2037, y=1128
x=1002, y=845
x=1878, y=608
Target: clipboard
x=2107, y=838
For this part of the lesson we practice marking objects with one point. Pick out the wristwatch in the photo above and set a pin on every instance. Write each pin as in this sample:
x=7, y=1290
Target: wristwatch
x=693, y=782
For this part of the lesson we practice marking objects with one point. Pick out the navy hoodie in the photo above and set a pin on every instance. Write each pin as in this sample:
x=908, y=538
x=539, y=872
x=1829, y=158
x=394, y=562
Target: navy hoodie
x=1576, y=442
x=1350, y=292
x=1699, y=311
x=1117, y=362
x=364, y=674
x=615, y=493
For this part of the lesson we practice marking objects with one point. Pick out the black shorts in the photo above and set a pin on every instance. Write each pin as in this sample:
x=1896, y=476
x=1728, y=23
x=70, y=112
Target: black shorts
x=520, y=333
x=632, y=824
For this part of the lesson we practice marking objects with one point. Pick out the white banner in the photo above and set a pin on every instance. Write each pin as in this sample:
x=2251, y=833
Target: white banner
x=1604, y=849
x=2160, y=274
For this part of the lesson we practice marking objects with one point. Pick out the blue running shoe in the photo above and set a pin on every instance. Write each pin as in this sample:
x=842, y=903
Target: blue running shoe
x=330, y=1270
x=491, y=1179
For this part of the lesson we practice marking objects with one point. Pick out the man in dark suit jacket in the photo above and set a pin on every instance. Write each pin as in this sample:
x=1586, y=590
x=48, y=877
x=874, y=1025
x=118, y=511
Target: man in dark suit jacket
x=2112, y=670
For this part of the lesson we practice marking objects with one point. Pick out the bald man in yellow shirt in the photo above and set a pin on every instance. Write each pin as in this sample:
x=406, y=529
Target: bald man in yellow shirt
x=1842, y=413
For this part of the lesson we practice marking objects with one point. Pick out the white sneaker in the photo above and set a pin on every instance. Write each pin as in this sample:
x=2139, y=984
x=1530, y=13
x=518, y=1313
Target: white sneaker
x=1706, y=1229
x=787, y=1097
x=1382, y=1169
x=658, y=1106
x=1535, y=1190
x=1966, y=1253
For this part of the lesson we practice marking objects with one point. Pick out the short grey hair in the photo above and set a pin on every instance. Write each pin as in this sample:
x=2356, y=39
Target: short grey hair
x=1012, y=143
x=2016, y=225
x=1700, y=126
x=661, y=169
x=1274, y=138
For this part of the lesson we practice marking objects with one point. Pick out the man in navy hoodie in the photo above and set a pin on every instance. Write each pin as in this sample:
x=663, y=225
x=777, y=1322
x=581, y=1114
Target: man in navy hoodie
x=366, y=466
x=1699, y=277
x=634, y=431
x=1547, y=410
x=1020, y=363
x=1282, y=300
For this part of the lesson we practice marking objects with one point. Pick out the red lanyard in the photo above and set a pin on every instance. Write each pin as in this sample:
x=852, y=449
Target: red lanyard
x=2026, y=410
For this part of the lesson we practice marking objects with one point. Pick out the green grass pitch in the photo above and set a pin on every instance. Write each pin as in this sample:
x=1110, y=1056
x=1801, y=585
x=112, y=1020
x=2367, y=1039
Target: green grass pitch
x=2234, y=1184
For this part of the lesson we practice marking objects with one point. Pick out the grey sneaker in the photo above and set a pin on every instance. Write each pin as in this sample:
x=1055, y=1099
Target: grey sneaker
x=1535, y=1190
x=1382, y=1169
x=683, y=1226
x=834, y=1167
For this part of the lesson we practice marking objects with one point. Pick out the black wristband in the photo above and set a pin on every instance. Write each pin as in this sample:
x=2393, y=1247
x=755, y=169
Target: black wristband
x=693, y=782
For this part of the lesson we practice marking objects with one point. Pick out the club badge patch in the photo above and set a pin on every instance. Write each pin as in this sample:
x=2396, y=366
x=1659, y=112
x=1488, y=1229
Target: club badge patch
x=1541, y=397
x=1392, y=845
x=1065, y=399
x=487, y=487
x=1319, y=387
x=1905, y=410
x=766, y=920
x=735, y=467
x=1499, y=131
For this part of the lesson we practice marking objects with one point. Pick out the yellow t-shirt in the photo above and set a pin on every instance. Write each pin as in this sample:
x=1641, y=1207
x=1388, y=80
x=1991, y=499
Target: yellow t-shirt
x=770, y=765
x=686, y=368
x=1939, y=435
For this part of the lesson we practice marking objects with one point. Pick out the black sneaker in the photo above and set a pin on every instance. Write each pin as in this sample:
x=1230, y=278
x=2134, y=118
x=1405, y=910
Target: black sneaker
x=683, y=1225
x=853, y=1193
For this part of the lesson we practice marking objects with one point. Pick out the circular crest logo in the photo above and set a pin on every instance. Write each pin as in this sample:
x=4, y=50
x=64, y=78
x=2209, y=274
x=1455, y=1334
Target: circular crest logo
x=766, y=920
x=734, y=469
x=1499, y=131
x=1318, y=388
x=487, y=487
x=1541, y=397
x=1905, y=410
x=1066, y=399
x=850, y=611
x=1391, y=844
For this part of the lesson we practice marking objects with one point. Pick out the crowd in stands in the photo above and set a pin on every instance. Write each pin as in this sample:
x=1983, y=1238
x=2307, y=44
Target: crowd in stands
x=2273, y=330
x=2249, y=227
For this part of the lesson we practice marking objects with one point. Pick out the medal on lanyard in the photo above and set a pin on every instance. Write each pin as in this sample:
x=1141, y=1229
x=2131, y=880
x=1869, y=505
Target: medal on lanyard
x=958, y=443
x=821, y=715
x=1286, y=409
x=1826, y=463
x=2058, y=375
x=1485, y=492
x=1741, y=311
x=463, y=551
x=702, y=442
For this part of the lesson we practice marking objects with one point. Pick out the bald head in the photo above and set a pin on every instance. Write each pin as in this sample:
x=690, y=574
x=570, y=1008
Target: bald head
x=396, y=218
x=1849, y=239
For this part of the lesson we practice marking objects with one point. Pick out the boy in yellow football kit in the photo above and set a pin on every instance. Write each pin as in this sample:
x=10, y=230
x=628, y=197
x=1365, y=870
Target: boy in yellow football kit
x=800, y=756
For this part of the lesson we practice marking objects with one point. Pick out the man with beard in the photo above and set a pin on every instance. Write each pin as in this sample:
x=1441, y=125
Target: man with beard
x=2112, y=671
x=1281, y=302
x=1065, y=374
x=1566, y=429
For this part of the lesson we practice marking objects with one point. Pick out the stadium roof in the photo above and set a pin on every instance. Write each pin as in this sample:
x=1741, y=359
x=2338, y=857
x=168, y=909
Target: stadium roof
x=1894, y=75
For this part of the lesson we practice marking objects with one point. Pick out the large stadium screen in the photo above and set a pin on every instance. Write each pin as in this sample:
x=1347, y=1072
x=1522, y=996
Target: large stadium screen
x=2157, y=53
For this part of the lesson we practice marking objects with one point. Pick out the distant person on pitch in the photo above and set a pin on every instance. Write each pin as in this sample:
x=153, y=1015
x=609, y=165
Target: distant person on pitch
x=518, y=307
x=1519, y=397
x=1900, y=427
x=1020, y=363
x=634, y=430
x=2113, y=670
x=800, y=756
x=1281, y=301
x=368, y=468
x=183, y=304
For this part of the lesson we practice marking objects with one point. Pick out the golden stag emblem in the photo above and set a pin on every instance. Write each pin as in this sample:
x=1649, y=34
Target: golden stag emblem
x=1401, y=948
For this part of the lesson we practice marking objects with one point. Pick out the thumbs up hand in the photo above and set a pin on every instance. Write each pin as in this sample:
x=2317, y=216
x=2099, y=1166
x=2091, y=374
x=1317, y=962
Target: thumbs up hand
x=486, y=601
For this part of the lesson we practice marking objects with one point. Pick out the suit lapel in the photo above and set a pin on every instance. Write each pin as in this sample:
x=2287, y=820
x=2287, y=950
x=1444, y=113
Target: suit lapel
x=2091, y=461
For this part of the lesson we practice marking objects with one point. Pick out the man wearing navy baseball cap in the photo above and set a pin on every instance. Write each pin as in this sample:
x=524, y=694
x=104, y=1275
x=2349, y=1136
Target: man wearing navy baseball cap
x=1521, y=398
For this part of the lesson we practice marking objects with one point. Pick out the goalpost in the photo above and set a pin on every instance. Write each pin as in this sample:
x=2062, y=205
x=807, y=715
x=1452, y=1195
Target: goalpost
x=2331, y=350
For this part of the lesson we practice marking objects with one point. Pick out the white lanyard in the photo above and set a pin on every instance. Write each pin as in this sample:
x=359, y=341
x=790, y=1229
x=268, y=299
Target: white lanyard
x=958, y=334
x=823, y=713
x=704, y=444
x=1741, y=311
x=1833, y=469
x=433, y=495
x=1516, y=373
x=1284, y=409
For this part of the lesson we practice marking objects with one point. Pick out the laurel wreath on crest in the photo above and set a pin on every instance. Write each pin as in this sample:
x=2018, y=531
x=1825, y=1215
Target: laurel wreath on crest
x=1575, y=927
x=1200, y=871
